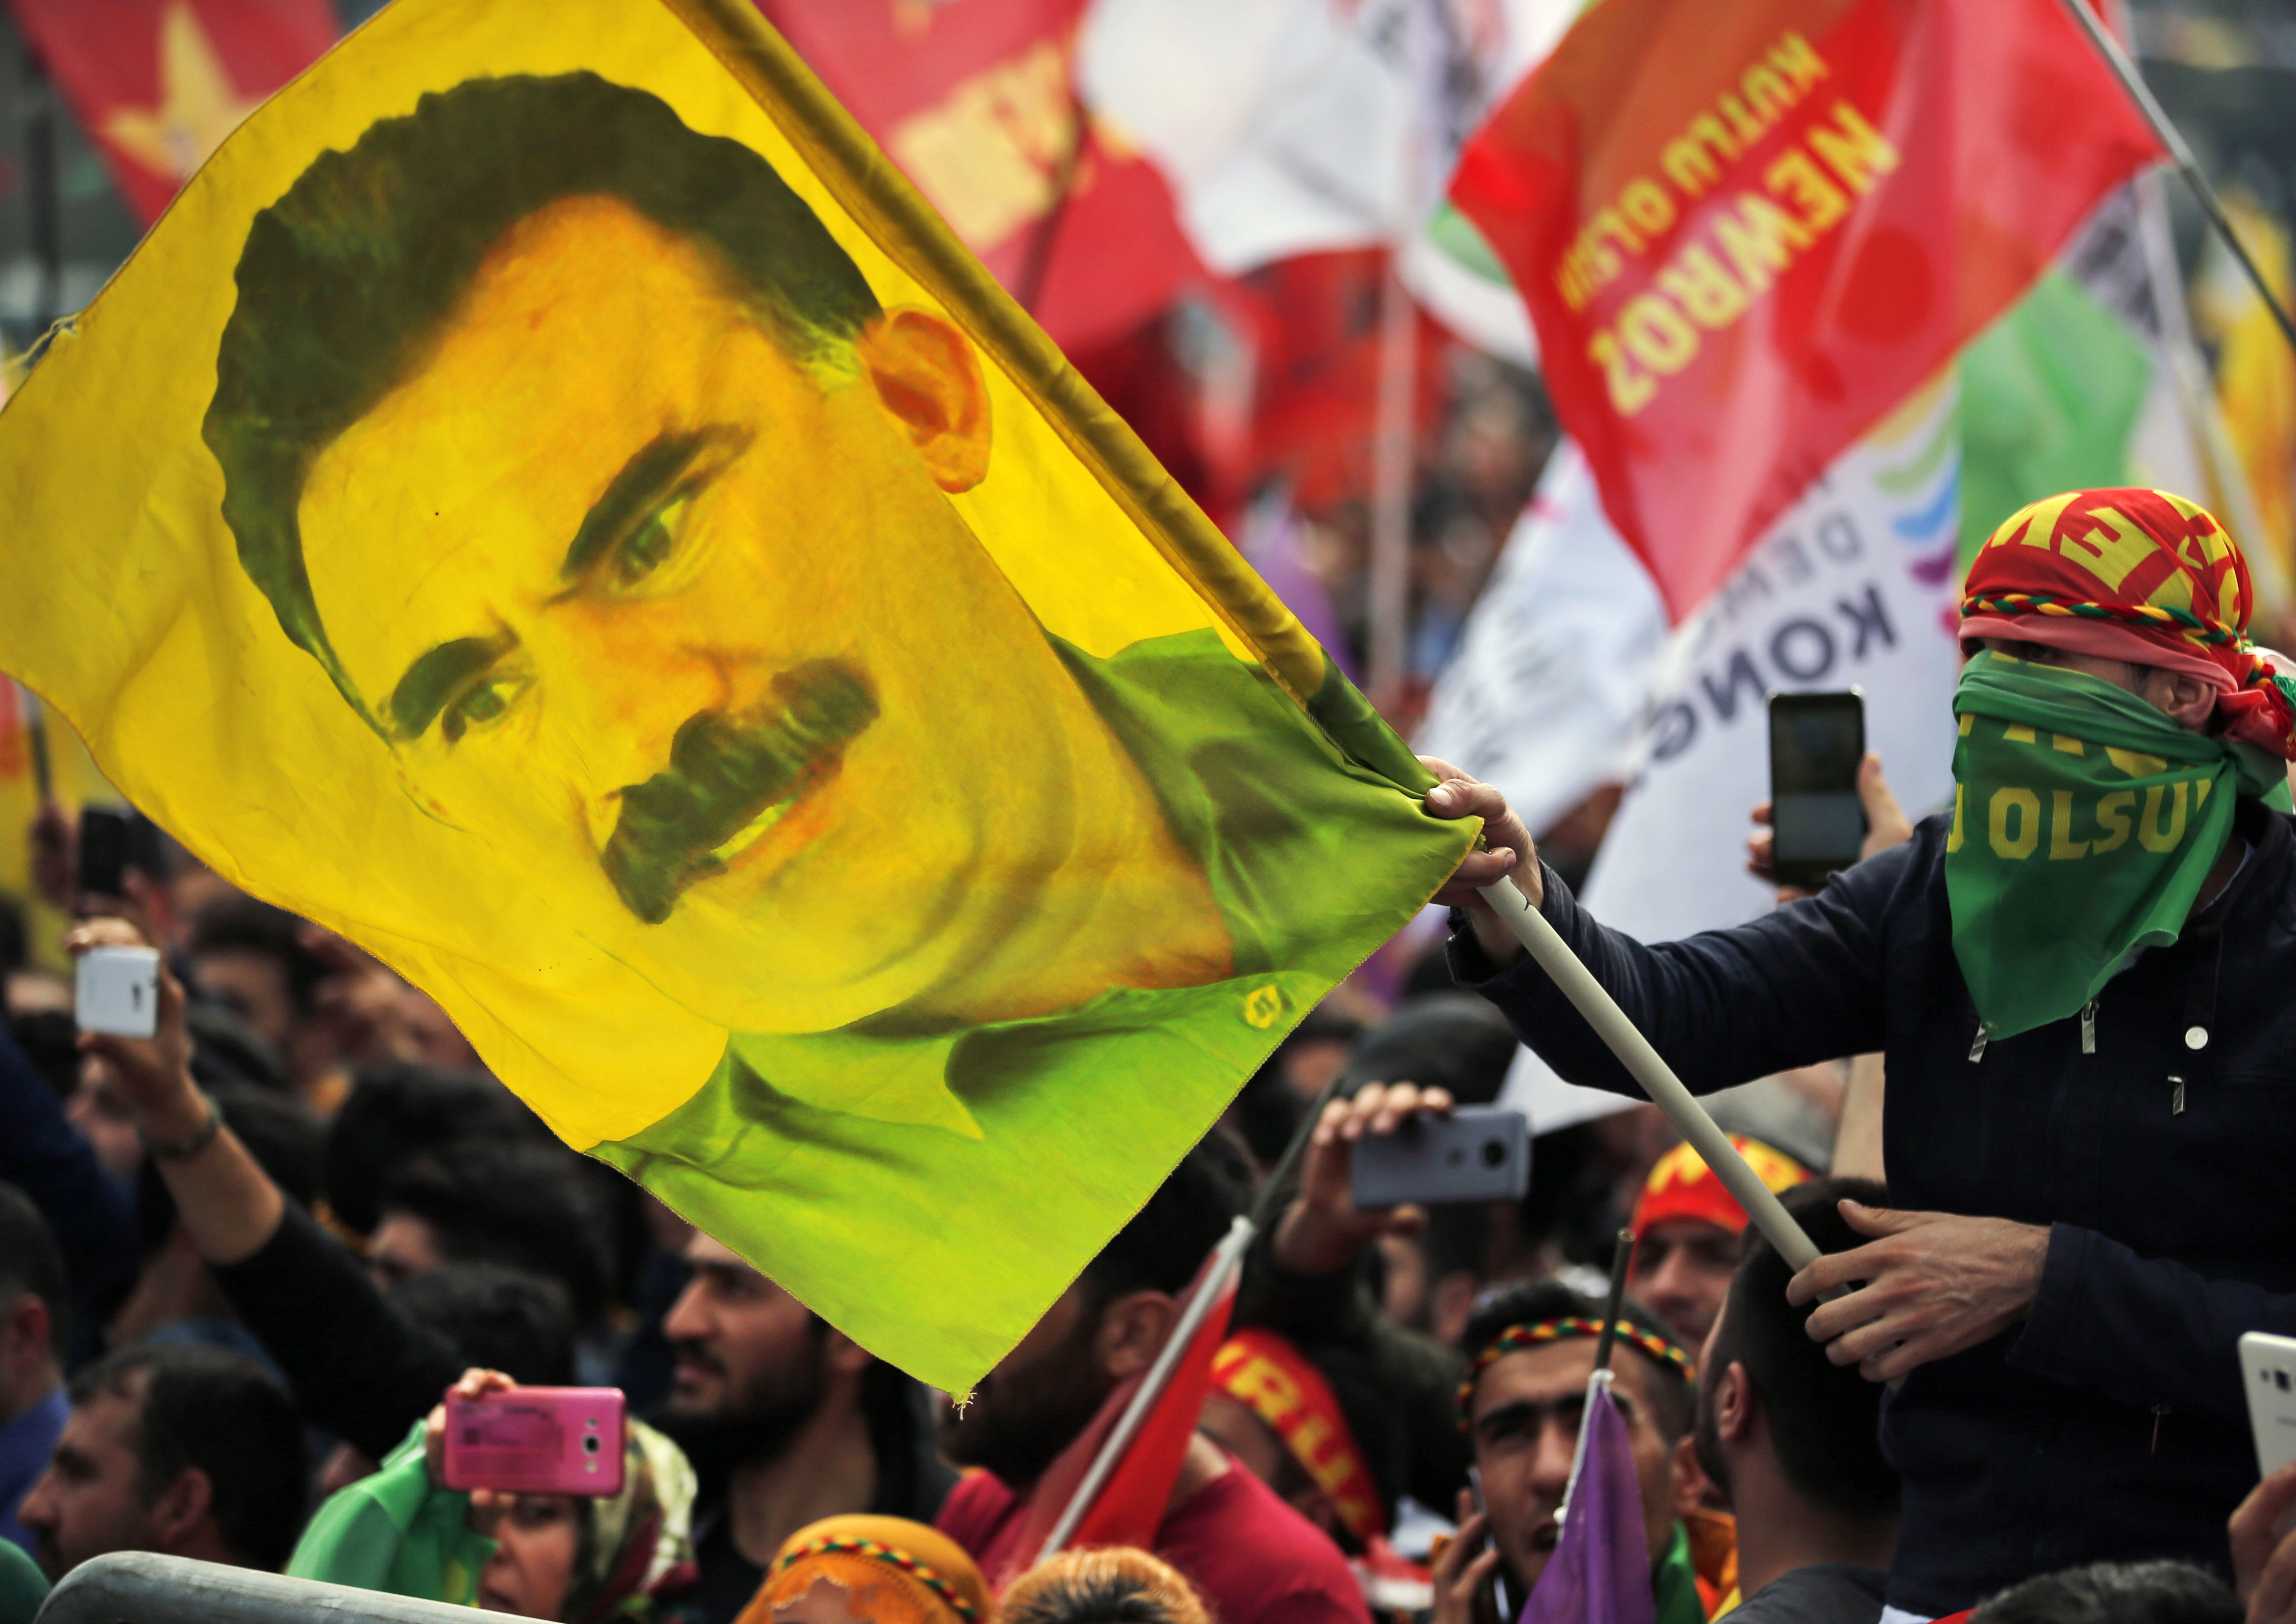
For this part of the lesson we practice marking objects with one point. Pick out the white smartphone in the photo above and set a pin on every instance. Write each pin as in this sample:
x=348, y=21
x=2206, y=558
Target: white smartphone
x=2268, y=1364
x=116, y=991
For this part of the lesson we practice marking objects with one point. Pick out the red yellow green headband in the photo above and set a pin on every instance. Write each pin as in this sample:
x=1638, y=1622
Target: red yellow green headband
x=891, y=1556
x=1514, y=1339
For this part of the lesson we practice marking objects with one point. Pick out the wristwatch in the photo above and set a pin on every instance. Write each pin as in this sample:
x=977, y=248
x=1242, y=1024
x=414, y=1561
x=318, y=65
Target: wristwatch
x=190, y=1144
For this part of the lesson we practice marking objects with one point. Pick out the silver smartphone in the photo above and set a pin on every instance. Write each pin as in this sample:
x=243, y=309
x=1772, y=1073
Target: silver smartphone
x=1475, y=1153
x=116, y=991
x=2267, y=1365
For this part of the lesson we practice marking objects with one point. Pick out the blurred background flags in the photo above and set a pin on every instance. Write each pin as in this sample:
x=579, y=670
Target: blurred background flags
x=159, y=83
x=1158, y=181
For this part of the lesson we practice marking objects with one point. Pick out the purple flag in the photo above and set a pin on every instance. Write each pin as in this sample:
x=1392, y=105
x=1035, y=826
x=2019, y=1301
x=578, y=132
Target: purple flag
x=1600, y=1569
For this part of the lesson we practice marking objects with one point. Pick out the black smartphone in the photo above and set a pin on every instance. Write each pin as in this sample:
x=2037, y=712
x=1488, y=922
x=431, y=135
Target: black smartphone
x=1816, y=741
x=106, y=837
x=1475, y=1153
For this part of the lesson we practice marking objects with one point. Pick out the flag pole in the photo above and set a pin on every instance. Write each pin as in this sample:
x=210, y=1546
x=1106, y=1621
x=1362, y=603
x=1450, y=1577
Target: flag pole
x=1657, y=1078
x=2140, y=93
x=1227, y=1258
x=1620, y=1254
x=1598, y=1378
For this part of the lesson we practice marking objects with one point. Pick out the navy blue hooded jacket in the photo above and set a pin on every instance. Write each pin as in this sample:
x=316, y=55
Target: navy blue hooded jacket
x=2161, y=1153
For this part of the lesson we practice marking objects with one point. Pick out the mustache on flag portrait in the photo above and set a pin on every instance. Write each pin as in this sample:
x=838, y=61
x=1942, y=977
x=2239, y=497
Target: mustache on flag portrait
x=621, y=689
x=651, y=586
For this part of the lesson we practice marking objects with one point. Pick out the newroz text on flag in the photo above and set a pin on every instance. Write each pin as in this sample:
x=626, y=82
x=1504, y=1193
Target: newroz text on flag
x=2090, y=379
x=554, y=507
x=1746, y=234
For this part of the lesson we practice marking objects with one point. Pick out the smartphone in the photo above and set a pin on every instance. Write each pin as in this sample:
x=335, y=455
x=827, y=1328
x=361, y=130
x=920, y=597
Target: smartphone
x=106, y=835
x=1495, y=1587
x=116, y=991
x=1476, y=1153
x=2268, y=1364
x=1817, y=742
x=537, y=1440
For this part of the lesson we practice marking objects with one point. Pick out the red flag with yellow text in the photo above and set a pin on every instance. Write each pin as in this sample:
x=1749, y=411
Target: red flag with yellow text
x=1746, y=231
x=159, y=83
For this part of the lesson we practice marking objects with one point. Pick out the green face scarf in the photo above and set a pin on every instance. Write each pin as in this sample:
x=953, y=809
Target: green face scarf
x=2084, y=825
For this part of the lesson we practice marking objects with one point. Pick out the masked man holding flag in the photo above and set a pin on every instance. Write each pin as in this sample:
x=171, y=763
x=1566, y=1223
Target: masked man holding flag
x=2081, y=979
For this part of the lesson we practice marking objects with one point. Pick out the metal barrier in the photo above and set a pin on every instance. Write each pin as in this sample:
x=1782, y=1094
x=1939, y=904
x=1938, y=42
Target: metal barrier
x=143, y=1588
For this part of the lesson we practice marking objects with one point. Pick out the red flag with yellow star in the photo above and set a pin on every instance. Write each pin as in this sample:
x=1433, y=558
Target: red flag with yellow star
x=159, y=83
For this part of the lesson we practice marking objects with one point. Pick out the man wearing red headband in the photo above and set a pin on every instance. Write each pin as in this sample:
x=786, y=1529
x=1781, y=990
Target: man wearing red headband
x=2080, y=978
x=1686, y=1227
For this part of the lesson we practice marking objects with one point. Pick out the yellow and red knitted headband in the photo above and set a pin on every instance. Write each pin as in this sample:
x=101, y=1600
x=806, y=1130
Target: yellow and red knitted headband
x=1514, y=1339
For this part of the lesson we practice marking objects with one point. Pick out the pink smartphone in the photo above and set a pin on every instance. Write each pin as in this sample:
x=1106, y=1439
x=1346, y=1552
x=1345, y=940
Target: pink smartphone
x=537, y=1440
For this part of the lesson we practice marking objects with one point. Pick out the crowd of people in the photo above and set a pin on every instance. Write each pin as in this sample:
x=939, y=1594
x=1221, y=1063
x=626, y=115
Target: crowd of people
x=245, y=1262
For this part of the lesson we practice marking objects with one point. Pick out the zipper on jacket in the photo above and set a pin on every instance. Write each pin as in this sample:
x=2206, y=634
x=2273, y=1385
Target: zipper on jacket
x=2089, y=1027
x=2176, y=1097
x=2158, y=1410
x=1977, y=1045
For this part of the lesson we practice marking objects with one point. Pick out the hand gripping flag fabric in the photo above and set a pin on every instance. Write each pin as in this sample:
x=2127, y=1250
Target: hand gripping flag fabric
x=1747, y=233
x=550, y=502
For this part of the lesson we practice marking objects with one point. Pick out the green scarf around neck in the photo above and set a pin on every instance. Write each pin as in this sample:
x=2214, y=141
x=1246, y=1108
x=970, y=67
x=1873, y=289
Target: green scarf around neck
x=2084, y=825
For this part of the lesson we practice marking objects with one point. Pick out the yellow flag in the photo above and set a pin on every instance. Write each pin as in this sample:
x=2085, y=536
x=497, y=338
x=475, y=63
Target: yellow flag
x=549, y=502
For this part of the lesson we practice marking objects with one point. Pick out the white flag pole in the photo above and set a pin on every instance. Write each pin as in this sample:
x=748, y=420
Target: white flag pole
x=1227, y=1259
x=1657, y=1078
x=1598, y=1380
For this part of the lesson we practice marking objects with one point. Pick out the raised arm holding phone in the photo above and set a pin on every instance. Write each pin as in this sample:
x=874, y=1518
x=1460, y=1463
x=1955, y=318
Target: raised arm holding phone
x=493, y=1501
x=2077, y=977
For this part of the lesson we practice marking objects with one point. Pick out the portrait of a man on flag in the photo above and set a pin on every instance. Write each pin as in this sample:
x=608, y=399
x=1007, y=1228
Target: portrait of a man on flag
x=685, y=676
x=677, y=609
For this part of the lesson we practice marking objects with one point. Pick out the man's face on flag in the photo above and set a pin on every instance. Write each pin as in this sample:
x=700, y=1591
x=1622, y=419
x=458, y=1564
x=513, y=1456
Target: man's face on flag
x=681, y=624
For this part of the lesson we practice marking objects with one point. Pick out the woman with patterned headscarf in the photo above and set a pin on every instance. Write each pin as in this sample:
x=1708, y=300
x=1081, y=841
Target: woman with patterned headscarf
x=863, y=1570
x=578, y=1559
x=2080, y=974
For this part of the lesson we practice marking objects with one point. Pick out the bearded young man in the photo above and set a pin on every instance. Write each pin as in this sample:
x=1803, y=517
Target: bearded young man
x=2080, y=979
x=787, y=1421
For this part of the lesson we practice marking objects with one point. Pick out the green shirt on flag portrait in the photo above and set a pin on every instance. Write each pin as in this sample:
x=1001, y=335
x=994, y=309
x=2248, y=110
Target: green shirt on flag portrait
x=1270, y=814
